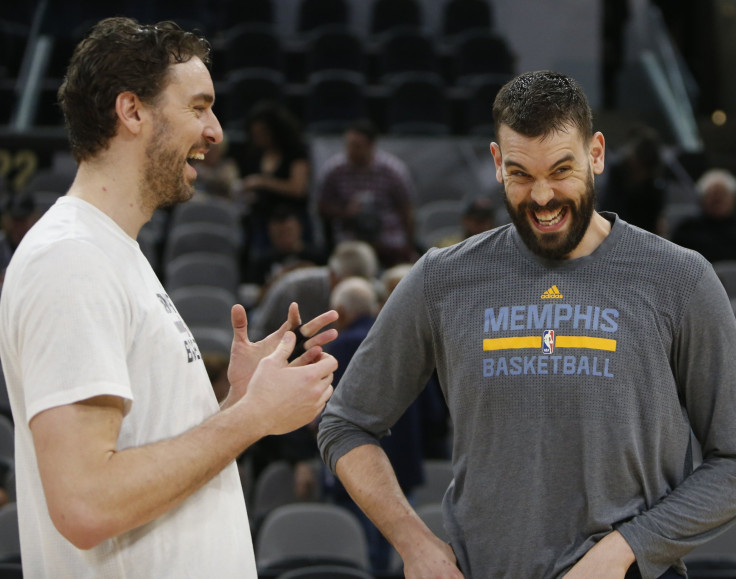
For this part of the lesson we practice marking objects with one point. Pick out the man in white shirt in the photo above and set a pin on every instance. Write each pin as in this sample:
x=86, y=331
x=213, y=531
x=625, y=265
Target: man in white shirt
x=125, y=462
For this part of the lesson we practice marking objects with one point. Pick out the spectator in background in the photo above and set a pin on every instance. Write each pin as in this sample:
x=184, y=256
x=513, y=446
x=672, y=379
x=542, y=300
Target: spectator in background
x=713, y=232
x=366, y=193
x=287, y=248
x=356, y=302
x=311, y=287
x=275, y=170
x=636, y=189
x=18, y=216
x=477, y=217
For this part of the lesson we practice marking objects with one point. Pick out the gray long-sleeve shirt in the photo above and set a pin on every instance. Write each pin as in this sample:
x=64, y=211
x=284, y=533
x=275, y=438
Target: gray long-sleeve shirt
x=572, y=386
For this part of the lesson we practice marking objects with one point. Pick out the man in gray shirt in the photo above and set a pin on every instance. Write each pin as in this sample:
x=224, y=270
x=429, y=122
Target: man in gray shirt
x=575, y=352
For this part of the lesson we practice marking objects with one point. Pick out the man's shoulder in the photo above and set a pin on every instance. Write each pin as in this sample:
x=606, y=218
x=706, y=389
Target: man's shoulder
x=337, y=162
x=660, y=258
x=389, y=161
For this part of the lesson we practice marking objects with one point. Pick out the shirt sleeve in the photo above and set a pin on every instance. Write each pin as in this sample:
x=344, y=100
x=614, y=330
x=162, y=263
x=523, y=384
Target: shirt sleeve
x=704, y=504
x=73, y=328
x=387, y=373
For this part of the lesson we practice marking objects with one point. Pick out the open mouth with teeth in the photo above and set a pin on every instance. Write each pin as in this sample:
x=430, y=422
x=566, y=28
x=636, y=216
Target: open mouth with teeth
x=547, y=220
x=190, y=166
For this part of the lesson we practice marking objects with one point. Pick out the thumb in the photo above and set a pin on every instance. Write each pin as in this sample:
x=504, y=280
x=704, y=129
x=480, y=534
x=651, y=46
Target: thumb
x=286, y=346
x=239, y=321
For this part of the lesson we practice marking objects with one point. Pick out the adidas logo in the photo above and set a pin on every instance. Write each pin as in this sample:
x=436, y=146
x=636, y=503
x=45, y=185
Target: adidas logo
x=552, y=294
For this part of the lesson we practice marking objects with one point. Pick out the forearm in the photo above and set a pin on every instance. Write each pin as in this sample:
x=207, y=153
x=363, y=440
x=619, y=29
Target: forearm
x=692, y=514
x=369, y=478
x=122, y=490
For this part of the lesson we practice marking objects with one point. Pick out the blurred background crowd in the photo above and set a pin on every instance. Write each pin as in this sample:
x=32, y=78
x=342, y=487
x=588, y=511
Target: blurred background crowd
x=356, y=138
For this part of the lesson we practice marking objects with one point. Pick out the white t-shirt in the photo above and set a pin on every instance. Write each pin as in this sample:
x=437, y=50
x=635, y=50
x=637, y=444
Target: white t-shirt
x=82, y=314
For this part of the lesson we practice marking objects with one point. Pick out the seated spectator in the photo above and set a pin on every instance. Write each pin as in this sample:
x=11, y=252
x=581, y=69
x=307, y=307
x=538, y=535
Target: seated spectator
x=19, y=213
x=713, y=232
x=478, y=216
x=366, y=193
x=311, y=287
x=287, y=250
x=275, y=170
x=636, y=189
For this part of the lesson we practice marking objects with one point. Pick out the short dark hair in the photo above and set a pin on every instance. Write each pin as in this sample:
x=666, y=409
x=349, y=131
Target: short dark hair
x=118, y=55
x=365, y=127
x=537, y=104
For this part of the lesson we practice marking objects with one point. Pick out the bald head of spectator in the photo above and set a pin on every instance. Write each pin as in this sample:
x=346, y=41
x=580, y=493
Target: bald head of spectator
x=353, y=298
x=717, y=190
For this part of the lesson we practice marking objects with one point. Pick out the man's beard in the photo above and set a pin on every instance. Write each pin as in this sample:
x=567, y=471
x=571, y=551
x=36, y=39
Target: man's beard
x=555, y=245
x=163, y=183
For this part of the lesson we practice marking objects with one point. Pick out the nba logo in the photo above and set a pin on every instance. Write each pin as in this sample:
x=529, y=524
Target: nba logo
x=548, y=341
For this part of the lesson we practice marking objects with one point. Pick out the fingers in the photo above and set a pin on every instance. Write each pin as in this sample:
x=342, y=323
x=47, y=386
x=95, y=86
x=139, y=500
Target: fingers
x=239, y=321
x=308, y=357
x=320, y=339
x=293, y=318
x=285, y=347
x=326, y=395
x=327, y=365
x=239, y=318
x=313, y=326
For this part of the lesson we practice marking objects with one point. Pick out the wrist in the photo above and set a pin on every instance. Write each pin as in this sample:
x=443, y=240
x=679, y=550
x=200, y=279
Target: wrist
x=619, y=549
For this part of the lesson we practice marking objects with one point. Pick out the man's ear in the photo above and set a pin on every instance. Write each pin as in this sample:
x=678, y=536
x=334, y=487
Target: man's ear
x=129, y=110
x=597, y=152
x=498, y=161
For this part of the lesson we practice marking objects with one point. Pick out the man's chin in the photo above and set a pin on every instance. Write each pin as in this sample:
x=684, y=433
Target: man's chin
x=184, y=194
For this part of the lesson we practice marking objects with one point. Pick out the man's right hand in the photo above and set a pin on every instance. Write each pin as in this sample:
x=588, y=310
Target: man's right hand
x=434, y=559
x=282, y=398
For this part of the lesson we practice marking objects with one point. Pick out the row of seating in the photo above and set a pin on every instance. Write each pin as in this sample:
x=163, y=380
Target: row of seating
x=412, y=91
x=478, y=51
x=413, y=103
x=368, y=18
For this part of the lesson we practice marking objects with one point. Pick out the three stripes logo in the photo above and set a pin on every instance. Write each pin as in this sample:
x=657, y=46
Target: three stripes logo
x=552, y=294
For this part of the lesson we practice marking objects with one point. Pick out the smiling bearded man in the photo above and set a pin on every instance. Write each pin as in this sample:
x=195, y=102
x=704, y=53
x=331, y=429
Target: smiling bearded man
x=576, y=353
x=554, y=245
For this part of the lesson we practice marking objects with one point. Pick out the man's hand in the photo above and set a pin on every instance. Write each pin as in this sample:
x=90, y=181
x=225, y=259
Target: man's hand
x=609, y=558
x=245, y=355
x=434, y=559
x=282, y=397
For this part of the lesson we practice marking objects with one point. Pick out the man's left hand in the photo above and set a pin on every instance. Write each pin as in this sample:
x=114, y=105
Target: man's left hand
x=609, y=558
x=245, y=355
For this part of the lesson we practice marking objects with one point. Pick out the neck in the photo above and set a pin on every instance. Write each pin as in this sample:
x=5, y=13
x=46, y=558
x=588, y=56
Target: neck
x=113, y=191
x=598, y=230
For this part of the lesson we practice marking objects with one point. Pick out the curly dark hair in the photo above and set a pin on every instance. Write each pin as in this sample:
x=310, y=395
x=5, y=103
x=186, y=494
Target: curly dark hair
x=118, y=55
x=536, y=104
